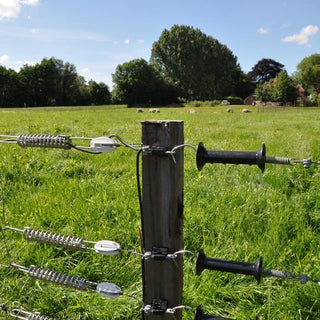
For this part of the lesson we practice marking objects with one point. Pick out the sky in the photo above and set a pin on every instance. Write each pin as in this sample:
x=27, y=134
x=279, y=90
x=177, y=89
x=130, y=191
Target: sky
x=98, y=35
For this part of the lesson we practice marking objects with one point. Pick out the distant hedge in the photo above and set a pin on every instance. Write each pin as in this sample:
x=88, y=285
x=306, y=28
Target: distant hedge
x=234, y=100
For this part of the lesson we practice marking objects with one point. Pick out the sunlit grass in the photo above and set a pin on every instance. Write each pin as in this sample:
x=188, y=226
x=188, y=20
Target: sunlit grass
x=232, y=212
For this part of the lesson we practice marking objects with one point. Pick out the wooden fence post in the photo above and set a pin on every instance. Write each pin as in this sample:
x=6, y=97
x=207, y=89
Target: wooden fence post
x=162, y=216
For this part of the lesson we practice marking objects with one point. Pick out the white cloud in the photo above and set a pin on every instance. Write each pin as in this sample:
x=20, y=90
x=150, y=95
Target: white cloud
x=127, y=41
x=29, y=2
x=10, y=9
x=304, y=35
x=34, y=31
x=4, y=58
x=263, y=30
x=140, y=41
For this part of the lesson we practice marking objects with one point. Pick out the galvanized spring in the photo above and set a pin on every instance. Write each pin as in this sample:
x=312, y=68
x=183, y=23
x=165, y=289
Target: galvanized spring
x=278, y=160
x=65, y=241
x=61, y=278
x=24, y=315
x=106, y=289
x=38, y=316
x=20, y=314
x=44, y=141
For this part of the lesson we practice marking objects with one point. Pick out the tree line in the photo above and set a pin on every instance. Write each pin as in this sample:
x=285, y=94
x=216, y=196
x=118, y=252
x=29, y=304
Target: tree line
x=49, y=83
x=185, y=64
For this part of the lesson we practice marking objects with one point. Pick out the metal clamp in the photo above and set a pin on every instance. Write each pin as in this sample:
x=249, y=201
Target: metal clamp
x=158, y=306
x=156, y=150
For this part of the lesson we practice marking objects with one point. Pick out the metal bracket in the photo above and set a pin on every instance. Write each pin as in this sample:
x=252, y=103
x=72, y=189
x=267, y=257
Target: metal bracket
x=156, y=150
x=159, y=253
x=159, y=306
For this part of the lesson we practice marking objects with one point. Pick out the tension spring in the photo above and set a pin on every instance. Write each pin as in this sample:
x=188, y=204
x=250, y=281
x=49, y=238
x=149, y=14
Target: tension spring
x=24, y=315
x=105, y=247
x=105, y=289
x=44, y=141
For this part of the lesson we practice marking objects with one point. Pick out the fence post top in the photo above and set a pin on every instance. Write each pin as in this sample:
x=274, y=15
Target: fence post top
x=160, y=122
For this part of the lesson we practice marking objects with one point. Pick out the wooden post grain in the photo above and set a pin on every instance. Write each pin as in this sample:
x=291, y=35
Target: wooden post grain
x=162, y=215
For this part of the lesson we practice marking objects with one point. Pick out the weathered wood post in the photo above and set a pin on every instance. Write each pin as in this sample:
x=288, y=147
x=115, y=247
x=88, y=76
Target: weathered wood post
x=162, y=218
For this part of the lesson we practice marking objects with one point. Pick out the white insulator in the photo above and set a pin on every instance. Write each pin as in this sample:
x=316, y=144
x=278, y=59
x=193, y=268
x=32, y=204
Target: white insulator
x=107, y=247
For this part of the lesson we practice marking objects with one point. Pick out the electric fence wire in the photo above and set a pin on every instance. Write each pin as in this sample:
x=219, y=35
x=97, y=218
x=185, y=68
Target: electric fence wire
x=106, y=247
x=139, y=195
x=62, y=142
x=59, y=278
x=139, y=191
x=4, y=239
x=105, y=289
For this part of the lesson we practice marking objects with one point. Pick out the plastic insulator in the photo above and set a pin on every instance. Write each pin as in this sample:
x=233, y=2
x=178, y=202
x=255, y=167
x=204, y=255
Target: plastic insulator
x=65, y=241
x=44, y=141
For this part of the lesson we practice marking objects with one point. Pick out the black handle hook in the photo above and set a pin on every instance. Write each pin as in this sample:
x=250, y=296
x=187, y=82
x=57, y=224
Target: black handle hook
x=247, y=268
x=235, y=157
x=200, y=316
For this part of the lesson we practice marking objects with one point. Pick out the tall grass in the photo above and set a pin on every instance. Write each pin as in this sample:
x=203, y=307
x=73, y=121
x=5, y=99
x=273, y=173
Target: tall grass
x=232, y=212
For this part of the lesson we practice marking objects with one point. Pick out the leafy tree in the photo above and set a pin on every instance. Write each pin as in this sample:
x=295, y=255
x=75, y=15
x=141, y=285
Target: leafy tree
x=29, y=77
x=137, y=82
x=197, y=64
x=243, y=87
x=10, y=88
x=99, y=93
x=52, y=82
x=262, y=92
x=265, y=70
x=281, y=89
x=68, y=86
x=308, y=73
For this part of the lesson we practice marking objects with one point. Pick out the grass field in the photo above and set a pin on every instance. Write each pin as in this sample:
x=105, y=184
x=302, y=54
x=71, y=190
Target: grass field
x=232, y=212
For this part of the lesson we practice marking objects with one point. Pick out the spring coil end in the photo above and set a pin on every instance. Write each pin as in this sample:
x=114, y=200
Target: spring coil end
x=69, y=242
x=38, y=316
x=59, y=278
x=44, y=141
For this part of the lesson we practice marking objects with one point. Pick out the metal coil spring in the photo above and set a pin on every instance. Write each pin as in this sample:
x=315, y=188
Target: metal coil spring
x=38, y=316
x=278, y=160
x=24, y=315
x=59, y=278
x=19, y=314
x=44, y=141
x=70, y=242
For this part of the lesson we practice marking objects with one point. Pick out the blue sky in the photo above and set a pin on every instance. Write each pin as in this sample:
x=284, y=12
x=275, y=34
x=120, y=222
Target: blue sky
x=97, y=35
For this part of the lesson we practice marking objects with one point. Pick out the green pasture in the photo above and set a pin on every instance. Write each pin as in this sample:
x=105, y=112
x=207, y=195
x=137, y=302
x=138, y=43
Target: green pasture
x=232, y=212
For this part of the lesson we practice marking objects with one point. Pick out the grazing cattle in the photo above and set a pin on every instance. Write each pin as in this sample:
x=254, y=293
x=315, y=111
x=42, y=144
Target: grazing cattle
x=230, y=110
x=192, y=111
x=139, y=110
x=246, y=111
